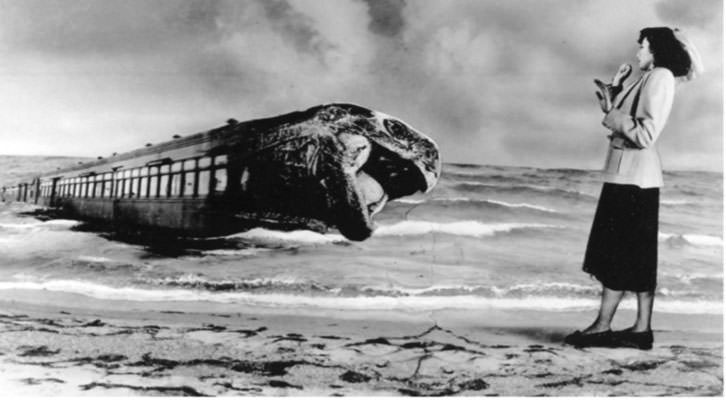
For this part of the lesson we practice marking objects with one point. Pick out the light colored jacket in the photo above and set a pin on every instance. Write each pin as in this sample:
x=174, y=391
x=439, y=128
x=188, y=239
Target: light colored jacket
x=639, y=114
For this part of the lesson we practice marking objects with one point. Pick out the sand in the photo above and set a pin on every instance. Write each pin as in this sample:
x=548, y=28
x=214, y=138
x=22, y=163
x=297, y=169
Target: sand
x=59, y=344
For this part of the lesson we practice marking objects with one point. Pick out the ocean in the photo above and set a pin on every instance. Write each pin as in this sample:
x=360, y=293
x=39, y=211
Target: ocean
x=485, y=237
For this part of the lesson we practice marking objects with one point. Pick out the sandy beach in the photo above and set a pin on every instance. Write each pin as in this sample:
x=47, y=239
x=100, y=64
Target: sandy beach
x=61, y=344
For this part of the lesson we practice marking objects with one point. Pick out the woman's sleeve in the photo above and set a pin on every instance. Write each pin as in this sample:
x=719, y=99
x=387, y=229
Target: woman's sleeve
x=656, y=100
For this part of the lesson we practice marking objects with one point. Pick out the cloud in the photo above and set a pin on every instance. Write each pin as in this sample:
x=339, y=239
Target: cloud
x=386, y=16
x=690, y=13
x=505, y=81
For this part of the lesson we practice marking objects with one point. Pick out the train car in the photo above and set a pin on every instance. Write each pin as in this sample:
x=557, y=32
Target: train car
x=331, y=166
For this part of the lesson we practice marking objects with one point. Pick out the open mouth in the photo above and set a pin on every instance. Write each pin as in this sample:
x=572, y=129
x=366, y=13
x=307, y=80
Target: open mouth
x=386, y=176
x=383, y=176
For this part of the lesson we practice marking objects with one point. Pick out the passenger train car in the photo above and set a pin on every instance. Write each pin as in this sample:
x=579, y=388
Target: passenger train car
x=329, y=166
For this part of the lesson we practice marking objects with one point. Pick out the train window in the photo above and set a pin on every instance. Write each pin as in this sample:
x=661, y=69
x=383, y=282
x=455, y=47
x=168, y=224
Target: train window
x=126, y=187
x=176, y=167
x=144, y=171
x=220, y=180
x=205, y=162
x=135, y=172
x=165, y=169
x=127, y=174
x=107, y=176
x=188, y=184
x=163, y=185
x=153, y=186
x=220, y=159
x=117, y=183
x=99, y=188
x=203, y=189
x=134, y=187
x=189, y=165
x=143, y=190
x=175, y=185
x=106, y=191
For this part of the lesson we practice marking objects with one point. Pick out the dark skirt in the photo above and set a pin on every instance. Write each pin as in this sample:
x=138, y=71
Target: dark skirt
x=622, y=252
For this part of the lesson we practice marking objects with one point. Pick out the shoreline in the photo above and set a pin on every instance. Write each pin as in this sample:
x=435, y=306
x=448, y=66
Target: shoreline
x=62, y=344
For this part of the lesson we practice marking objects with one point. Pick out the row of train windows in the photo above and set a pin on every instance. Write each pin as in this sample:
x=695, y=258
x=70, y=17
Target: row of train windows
x=193, y=177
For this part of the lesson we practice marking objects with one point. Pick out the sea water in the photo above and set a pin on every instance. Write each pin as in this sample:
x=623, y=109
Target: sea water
x=485, y=237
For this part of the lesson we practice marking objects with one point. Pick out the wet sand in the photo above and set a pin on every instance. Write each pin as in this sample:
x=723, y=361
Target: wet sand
x=58, y=344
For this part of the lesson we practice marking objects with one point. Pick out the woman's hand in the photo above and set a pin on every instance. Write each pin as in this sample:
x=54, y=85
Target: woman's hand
x=606, y=93
x=622, y=74
x=604, y=96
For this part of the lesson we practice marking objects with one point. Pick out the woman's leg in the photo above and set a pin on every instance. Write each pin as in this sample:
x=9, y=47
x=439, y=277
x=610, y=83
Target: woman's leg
x=645, y=311
x=608, y=305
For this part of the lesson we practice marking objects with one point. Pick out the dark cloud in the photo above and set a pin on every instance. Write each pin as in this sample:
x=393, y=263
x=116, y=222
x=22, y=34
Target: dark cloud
x=295, y=27
x=386, y=16
x=690, y=13
x=504, y=80
x=82, y=27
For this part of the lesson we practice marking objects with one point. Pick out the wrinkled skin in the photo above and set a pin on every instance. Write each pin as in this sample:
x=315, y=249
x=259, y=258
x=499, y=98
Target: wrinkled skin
x=340, y=164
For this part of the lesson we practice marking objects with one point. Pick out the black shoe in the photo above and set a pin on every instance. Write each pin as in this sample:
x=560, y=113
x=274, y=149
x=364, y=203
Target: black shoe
x=599, y=339
x=637, y=340
x=573, y=338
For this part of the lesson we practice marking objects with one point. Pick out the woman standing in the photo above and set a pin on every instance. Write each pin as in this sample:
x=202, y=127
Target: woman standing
x=622, y=251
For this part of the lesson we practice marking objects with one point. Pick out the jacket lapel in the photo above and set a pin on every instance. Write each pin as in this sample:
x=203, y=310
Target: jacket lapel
x=620, y=98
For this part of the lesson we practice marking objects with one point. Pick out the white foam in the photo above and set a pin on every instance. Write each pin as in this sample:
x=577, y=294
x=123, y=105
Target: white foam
x=522, y=205
x=461, y=228
x=409, y=201
x=197, y=280
x=298, y=236
x=675, y=202
x=236, y=252
x=693, y=239
x=63, y=223
x=95, y=259
x=418, y=303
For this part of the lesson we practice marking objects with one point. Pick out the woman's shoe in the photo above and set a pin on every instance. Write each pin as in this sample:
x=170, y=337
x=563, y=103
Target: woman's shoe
x=599, y=339
x=637, y=340
x=573, y=338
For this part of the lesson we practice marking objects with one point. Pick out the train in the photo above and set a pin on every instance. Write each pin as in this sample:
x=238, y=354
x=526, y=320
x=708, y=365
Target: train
x=332, y=166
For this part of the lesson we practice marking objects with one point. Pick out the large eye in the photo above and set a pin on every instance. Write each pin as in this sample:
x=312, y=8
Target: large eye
x=395, y=128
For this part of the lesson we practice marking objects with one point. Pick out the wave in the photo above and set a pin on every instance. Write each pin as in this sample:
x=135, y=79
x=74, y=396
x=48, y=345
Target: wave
x=479, y=186
x=409, y=201
x=459, y=228
x=95, y=259
x=236, y=252
x=688, y=278
x=416, y=303
x=494, y=202
x=690, y=239
x=288, y=285
x=299, y=236
x=53, y=223
x=677, y=202
x=277, y=284
x=522, y=205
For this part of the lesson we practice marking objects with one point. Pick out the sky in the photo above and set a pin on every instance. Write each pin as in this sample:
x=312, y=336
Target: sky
x=497, y=82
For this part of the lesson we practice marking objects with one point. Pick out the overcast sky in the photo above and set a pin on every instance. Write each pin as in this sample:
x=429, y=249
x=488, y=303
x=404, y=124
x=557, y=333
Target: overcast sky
x=491, y=81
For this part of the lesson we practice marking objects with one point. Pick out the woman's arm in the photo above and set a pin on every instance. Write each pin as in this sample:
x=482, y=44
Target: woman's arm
x=656, y=99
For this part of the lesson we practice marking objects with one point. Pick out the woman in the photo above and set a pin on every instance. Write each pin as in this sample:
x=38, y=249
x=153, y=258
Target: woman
x=622, y=250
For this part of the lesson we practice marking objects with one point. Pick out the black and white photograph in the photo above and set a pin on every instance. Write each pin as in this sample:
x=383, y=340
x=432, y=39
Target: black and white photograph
x=295, y=198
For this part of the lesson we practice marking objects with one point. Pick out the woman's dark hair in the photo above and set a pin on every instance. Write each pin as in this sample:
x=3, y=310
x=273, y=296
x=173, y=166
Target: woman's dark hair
x=667, y=51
